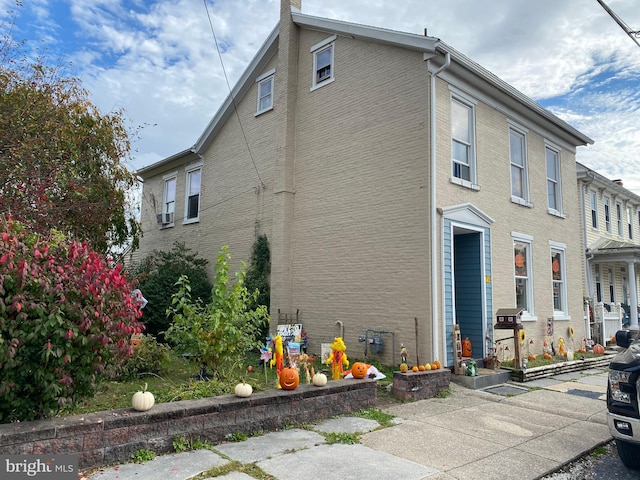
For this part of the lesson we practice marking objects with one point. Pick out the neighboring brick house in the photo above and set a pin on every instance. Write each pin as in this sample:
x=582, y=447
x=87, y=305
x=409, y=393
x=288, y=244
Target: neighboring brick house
x=611, y=231
x=343, y=129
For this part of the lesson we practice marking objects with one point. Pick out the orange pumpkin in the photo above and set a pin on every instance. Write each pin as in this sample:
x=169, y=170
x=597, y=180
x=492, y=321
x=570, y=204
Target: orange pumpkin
x=598, y=349
x=547, y=356
x=436, y=365
x=289, y=378
x=532, y=357
x=421, y=368
x=414, y=369
x=359, y=370
x=582, y=350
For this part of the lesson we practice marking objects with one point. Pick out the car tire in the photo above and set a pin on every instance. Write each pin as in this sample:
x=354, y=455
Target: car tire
x=629, y=454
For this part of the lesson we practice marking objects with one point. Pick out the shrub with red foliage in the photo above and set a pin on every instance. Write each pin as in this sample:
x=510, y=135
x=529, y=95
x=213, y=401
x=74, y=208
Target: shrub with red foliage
x=65, y=315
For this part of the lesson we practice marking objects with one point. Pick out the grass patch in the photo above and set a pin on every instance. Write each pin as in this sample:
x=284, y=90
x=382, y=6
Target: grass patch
x=249, y=469
x=343, y=438
x=143, y=455
x=384, y=419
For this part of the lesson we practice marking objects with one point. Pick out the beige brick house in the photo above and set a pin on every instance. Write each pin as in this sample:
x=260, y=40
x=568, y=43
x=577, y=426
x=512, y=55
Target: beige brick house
x=611, y=231
x=395, y=180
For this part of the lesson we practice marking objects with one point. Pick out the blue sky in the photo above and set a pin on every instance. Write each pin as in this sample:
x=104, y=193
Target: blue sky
x=157, y=60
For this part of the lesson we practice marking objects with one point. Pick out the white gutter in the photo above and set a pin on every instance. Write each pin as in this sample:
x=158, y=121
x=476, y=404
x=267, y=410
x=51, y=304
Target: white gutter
x=434, y=256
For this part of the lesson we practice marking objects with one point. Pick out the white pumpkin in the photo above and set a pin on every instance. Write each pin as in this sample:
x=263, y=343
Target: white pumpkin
x=319, y=379
x=143, y=401
x=243, y=390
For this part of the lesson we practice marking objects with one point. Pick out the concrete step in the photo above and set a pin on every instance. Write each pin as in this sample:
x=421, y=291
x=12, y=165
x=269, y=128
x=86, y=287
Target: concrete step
x=485, y=378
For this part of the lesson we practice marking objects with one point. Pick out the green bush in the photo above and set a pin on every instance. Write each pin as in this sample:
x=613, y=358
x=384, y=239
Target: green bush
x=156, y=276
x=65, y=313
x=223, y=332
x=149, y=357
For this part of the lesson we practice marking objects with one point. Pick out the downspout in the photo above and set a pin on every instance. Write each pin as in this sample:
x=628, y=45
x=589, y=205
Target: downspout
x=586, y=255
x=434, y=256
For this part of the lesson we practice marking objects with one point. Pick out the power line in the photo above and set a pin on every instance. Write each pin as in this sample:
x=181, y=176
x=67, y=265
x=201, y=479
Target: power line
x=233, y=100
x=634, y=34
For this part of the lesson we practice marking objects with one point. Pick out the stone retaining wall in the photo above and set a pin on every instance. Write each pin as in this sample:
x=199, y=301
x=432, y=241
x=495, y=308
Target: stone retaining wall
x=420, y=385
x=111, y=437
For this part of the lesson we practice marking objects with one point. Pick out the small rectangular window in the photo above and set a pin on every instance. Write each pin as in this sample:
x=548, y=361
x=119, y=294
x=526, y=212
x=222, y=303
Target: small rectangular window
x=630, y=223
x=607, y=214
x=522, y=261
x=619, y=218
x=265, y=92
x=462, y=140
x=554, y=192
x=193, y=194
x=594, y=209
x=518, y=157
x=558, y=281
x=168, y=201
x=323, y=64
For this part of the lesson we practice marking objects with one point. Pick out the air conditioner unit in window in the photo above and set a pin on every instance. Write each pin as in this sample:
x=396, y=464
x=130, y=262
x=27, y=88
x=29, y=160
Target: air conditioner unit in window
x=164, y=218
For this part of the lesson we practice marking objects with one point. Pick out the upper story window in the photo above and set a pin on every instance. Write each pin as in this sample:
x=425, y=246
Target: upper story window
x=518, y=157
x=619, y=218
x=594, y=208
x=265, y=91
x=463, y=141
x=630, y=223
x=323, y=65
x=554, y=185
x=192, y=201
x=607, y=214
x=523, y=273
x=168, y=200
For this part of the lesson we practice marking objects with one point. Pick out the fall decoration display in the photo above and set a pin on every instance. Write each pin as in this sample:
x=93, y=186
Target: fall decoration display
x=319, y=379
x=414, y=369
x=359, y=370
x=598, y=349
x=338, y=358
x=427, y=366
x=571, y=331
x=289, y=378
x=143, y=400
x=531, y=356
x=466, y=347
x=404, y=368
x=278, y=357
x=436, y=365
x=522, y=336
x=243, y=390
x=421, y=368
x=547, y=356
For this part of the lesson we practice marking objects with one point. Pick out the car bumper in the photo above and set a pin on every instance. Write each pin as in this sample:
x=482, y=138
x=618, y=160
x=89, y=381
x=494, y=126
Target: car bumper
x=624, y=428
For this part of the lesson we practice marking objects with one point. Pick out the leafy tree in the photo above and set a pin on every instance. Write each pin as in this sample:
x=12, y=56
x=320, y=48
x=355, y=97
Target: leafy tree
x=257, y=277
x=221, y=333
x=62, y=162
x=65, y=314
x=156, y=276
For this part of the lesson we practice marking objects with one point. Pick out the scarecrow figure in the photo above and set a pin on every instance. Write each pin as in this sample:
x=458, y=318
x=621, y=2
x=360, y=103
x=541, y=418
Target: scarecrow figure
x=338, y=358
x=278, y=357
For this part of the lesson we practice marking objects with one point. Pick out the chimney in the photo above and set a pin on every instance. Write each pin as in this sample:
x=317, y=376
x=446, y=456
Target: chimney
x=617, y=181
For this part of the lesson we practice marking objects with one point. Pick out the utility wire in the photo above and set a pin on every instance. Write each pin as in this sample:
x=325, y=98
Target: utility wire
x=634, y=34
x=233, y=100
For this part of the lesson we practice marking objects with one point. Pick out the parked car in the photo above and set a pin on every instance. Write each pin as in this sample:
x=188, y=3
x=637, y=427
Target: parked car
x=623, y=416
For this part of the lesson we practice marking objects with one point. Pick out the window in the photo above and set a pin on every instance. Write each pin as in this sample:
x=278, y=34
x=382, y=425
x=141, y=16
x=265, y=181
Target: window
x=554, y=192
x=607, y=214
x=192, y=202
x=462, y=141
x=612, y=290
x=558, y=280
x=323, y=62
x=594, y=209
x=630, y=223
x=265, y=92
x=518, y=157
x=523, y=280
x=619, y=217
x=168, y=201
x=598, y=284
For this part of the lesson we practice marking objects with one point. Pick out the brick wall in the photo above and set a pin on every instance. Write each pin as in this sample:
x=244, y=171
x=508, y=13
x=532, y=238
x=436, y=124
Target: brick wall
x=110, y=437
x=420, y=385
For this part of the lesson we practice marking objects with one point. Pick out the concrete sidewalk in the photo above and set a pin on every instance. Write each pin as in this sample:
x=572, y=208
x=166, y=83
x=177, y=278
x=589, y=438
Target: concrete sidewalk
x=510, y=431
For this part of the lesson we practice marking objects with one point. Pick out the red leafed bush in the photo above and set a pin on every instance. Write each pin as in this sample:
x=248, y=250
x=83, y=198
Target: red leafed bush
x=66, y=317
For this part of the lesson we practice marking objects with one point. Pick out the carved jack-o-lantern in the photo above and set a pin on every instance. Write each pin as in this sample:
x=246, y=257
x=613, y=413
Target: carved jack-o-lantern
x=289, y=378
x=359, y=370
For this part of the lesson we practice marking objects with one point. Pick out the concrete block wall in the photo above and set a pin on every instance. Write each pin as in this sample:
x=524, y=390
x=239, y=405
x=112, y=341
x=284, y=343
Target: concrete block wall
x=420, y=385
x=109, y=437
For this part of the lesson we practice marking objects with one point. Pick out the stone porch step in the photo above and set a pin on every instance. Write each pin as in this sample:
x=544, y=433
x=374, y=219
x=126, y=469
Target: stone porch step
x=485, y=378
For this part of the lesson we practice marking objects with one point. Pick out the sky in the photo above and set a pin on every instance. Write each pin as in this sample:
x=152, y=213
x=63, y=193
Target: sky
x=157, y=59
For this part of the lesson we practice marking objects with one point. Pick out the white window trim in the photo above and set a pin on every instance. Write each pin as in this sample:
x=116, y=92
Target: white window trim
x=527, y=315
x=526, y=198
x=593, y=194
x=619, y=224
x=560, y=203
x=630, y=222
x=261, y=79
x=562, y=249
x=458, y=96
x=165, y=178
x=606, y=202
x=315, y=50
x=190, y=169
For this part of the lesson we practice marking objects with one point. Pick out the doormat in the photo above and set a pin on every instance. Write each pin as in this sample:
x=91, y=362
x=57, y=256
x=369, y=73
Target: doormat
x=505, y=390
x=585, y=393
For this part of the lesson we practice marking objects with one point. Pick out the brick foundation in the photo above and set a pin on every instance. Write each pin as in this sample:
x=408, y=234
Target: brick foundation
x=110, y=437
x=419, y=385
